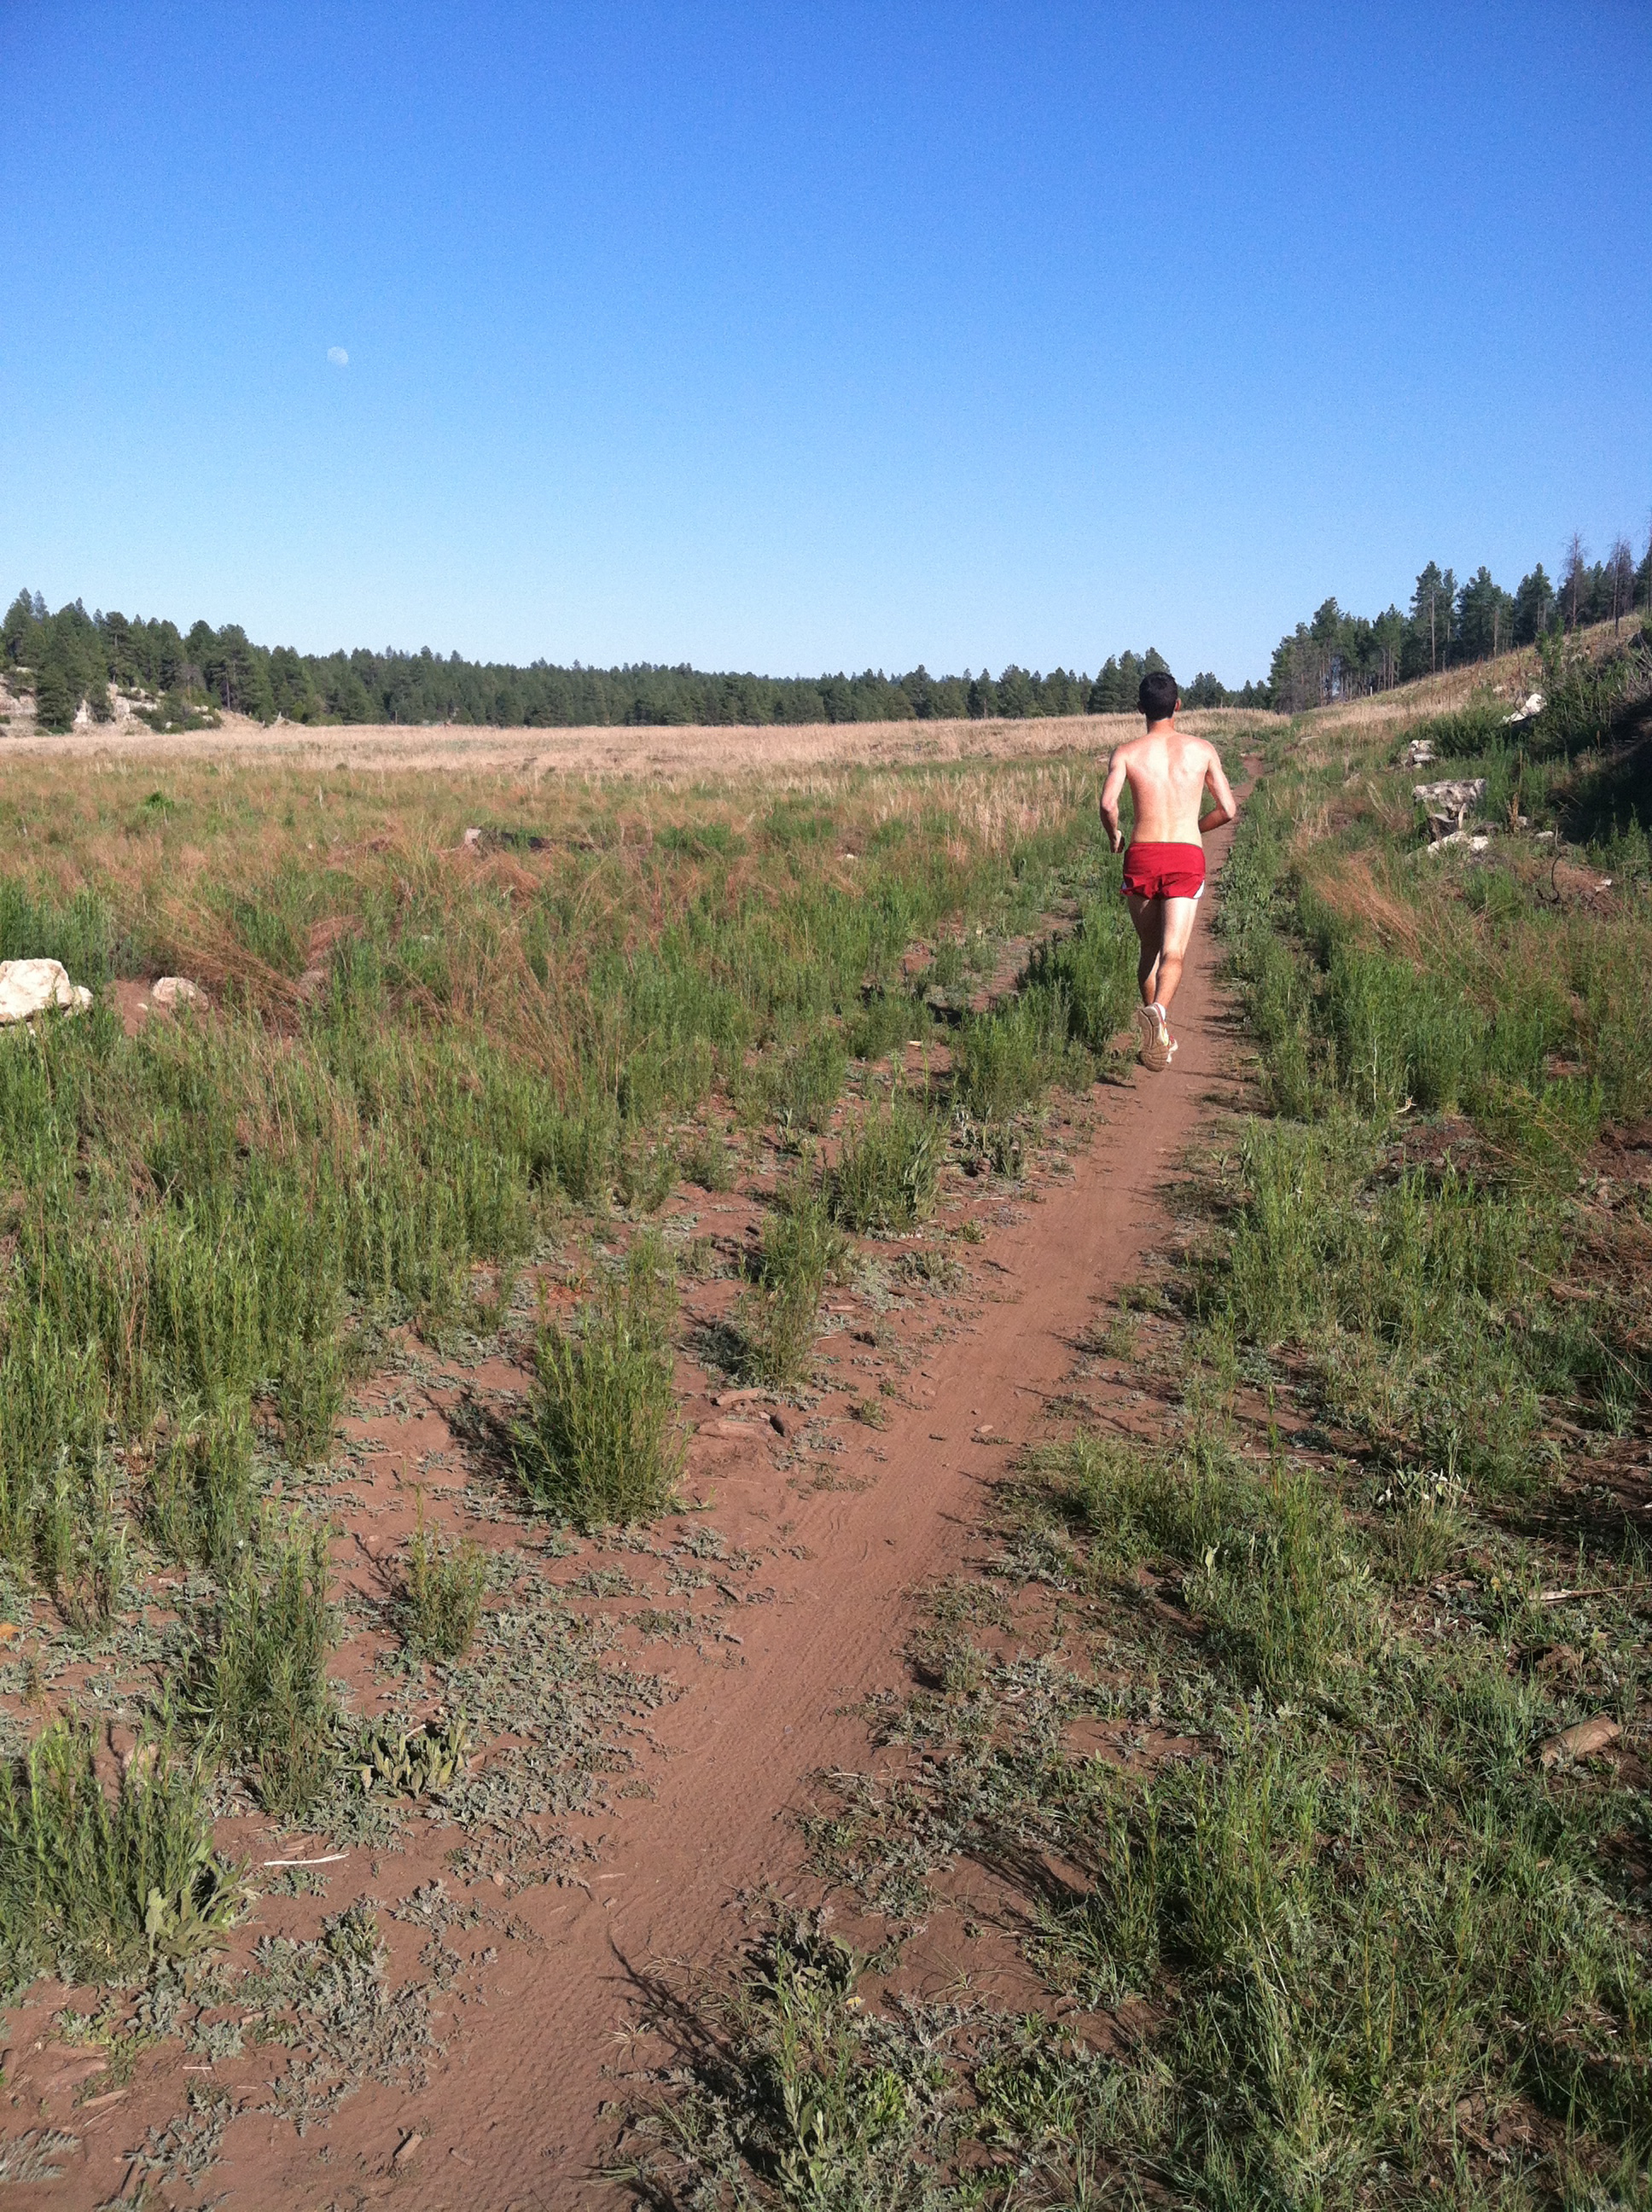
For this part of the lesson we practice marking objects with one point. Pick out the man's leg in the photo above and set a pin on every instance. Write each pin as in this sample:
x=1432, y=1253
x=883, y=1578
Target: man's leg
x=1175, y=934
x=1148, y=916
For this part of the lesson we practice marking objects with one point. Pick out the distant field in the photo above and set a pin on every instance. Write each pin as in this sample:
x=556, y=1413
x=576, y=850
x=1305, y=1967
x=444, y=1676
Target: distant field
x=675, y=754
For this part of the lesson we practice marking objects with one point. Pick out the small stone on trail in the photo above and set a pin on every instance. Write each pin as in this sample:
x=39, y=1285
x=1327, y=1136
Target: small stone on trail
x=27, y=988
x=406, y=2148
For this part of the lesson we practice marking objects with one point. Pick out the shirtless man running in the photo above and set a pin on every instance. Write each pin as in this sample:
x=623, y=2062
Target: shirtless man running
x=1169, y=775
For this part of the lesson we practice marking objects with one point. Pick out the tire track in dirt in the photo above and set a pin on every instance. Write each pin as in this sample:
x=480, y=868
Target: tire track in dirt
x=512, y=2116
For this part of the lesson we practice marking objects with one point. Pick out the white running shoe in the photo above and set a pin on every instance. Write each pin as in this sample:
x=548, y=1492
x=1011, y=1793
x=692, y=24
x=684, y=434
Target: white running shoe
x=1156, y=1043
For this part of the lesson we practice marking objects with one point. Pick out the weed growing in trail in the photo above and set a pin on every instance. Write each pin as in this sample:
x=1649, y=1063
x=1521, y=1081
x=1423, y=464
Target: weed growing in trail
x=600, y=1446
x=94, y=1890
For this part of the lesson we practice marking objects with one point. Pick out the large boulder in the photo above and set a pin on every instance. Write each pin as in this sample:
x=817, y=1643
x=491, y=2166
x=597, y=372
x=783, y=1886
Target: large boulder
x=27, y=988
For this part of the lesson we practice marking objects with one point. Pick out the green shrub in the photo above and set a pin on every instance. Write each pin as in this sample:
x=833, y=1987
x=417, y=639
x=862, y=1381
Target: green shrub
x=443, y=1591
x=809, y=1080
x=260, y=1678
x=1094, y=971
x=95, y=1891
x=311, y=1396
x=600, y=1446
x=886, y=1019
x=886, y=1172
x=705, y=1161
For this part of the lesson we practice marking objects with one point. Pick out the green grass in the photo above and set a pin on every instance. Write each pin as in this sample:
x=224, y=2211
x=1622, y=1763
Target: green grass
x=802, y=1249
x=202, y=1504
x=601, y=1447
x=259, y=1687
x=443, y=1591
x=96, y=1889
x=887, y=1168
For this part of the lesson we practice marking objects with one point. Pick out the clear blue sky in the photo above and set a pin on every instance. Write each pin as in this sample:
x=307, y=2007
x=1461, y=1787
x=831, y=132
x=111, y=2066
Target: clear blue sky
x=807, y=337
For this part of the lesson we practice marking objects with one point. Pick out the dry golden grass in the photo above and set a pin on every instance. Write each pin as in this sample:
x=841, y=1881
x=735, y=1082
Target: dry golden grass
x=777, y=754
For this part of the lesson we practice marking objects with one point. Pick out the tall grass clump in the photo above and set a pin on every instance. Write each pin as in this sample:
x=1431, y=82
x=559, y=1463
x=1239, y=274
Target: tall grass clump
x=443, y=1591
x=260, y=1686
x=93, y=1889
x=802, y=1249
x=202, y=1504
x=1094, y=969
x=599, y=1448
x=1005, y=1062
x=887, y=1169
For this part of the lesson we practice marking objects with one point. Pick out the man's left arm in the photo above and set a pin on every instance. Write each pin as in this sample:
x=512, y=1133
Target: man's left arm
x=1217, y=783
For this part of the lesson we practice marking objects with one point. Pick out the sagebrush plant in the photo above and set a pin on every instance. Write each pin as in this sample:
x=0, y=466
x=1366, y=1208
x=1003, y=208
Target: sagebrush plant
x=259, y=1687
x=444, y=1590
x=93, y=1889
x=601, y=1446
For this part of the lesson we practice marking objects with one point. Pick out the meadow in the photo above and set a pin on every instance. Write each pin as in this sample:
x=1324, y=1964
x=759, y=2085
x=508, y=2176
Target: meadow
x=463, y=1043
x=1270, y=1811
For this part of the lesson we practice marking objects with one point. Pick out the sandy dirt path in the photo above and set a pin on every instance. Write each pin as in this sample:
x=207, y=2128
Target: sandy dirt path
x=517, y=2124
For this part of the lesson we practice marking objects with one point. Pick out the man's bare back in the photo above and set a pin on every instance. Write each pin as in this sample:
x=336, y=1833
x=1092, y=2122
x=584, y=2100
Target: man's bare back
x=1168, y=773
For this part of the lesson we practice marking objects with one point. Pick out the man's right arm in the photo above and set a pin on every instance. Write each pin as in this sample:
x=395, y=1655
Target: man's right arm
x=1111, y=791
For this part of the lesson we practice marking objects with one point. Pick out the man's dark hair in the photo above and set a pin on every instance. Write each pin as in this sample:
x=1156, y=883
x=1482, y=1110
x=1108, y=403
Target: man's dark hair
x=1158, y=696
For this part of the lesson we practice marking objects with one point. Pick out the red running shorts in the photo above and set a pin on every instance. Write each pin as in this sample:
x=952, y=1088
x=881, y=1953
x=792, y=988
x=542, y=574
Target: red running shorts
x=1164, y=870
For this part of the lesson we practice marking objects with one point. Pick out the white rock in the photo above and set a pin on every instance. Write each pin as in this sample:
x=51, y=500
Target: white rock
x=178, y=991
x=27, y=988
x=1533, y=707
x=473, y=838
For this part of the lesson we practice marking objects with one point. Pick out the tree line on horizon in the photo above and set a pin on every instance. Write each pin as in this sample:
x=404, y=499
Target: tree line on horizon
x=77, y=659
x=1338, y=655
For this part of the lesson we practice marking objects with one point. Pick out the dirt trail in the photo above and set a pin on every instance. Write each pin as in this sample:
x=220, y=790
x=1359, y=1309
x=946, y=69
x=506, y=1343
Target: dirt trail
x=520, y=2125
